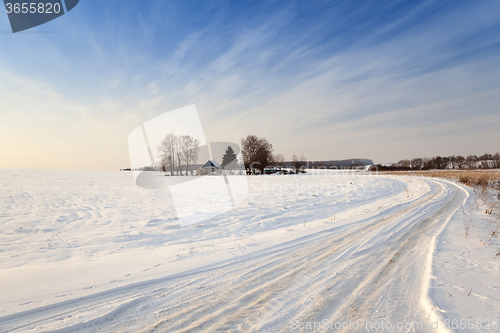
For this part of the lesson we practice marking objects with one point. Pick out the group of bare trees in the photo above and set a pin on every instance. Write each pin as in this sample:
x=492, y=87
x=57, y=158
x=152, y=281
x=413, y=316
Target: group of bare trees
x=257, y=153
x=178, y=153
x=486, y=161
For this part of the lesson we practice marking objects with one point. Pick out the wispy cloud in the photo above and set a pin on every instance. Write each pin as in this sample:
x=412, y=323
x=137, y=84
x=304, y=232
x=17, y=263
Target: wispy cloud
x=329, y=81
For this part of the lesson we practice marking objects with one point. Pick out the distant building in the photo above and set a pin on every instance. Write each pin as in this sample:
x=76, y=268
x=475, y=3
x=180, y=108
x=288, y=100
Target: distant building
x=211, y=167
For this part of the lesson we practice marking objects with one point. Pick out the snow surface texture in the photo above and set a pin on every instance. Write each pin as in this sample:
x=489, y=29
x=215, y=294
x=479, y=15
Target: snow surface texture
x=89, y=251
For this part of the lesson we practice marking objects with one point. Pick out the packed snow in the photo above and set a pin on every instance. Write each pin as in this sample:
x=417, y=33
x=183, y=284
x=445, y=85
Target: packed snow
x=90, y=251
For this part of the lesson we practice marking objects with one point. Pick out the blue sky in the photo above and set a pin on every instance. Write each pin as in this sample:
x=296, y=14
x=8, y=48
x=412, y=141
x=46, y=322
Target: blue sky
x=327, y=79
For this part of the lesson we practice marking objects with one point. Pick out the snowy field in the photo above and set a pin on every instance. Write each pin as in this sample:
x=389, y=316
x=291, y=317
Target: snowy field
x=89, y=251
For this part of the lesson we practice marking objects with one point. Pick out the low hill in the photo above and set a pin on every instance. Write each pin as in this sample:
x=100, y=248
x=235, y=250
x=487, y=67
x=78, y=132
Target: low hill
x=339, y=164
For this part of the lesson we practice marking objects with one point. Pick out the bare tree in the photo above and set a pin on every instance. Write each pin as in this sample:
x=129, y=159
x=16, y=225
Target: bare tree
x=417, y=163
x=167, y=152
x=459, y=161
x=296, y=162
x=249, y=146
x=189, y=148
x=404, y=164
x=303, y=163
x=497, y=160
x=257, y=152
x=471, y=161
x=279, y=159
x=264, y=154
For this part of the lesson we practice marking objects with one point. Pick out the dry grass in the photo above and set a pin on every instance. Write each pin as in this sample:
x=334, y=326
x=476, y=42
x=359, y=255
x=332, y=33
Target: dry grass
x=489, y=210
x=482, y=181
x=470, y=178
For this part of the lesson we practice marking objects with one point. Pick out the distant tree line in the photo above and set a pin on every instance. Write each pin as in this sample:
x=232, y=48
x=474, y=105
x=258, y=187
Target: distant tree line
x=486, y=161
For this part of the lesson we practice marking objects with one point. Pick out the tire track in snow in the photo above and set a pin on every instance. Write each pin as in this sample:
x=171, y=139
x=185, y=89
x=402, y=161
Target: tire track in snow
x=369, y=285
x=270, y=283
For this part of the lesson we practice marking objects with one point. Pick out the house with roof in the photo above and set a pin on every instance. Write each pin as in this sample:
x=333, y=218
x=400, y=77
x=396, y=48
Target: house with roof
x=209, y=168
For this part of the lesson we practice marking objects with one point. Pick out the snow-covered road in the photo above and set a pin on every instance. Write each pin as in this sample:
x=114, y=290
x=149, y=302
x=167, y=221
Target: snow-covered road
x=356, y=268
